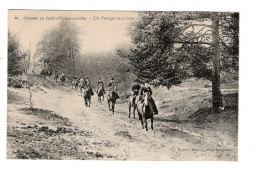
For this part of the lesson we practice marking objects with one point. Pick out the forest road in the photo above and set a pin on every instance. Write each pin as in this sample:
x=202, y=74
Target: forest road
x=115, y=136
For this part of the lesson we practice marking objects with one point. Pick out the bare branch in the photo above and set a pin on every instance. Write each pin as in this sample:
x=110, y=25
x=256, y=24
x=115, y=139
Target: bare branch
x=204, y=25
x=185, y=42
x=202, y=35
x=197, y=15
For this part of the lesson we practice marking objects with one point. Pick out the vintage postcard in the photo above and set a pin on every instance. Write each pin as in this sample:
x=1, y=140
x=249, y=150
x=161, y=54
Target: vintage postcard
x=118, y=85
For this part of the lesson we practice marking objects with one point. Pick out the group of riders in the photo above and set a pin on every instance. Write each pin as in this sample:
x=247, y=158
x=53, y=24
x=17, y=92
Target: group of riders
x=138, y=91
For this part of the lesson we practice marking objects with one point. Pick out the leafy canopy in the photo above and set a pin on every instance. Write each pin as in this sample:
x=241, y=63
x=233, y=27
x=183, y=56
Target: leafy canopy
x=168, y=48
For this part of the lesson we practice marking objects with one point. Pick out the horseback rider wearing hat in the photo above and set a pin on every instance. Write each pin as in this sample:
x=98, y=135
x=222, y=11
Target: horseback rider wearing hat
x=112, y=87
x=135, y=90
x=147, y=89
x=100, y=84
x=88, y=84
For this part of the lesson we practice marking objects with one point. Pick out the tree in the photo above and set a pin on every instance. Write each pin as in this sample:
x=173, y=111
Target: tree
x=59, y=47
x=229, y=40
x=106, y=65
x=15, y=55
x=171, y=45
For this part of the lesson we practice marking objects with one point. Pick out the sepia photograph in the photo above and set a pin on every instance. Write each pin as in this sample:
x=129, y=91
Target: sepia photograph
x=122, y=85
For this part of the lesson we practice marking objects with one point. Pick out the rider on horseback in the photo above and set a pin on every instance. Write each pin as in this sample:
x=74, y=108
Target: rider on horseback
x=135, y=90
x=88, y=84
x=56, y=75
x=81, y=82
x=147, y=89
x=62, y=77
x=112, y=87
x=100, y=84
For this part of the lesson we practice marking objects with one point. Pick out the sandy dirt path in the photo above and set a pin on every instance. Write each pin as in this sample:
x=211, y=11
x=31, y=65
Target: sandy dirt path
x=116, y=135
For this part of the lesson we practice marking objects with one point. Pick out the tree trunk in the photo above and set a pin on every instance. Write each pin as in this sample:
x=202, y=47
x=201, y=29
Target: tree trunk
x=216, y=91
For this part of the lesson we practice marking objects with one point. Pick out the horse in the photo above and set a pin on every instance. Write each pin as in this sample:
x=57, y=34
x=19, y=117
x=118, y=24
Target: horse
x=75, y=84
x=132, y=105
x=62, y=79
x=100, y=92
x=111, y=99
x=56, y=76
x=80, y=85
x=145, y=111
x=87, y=95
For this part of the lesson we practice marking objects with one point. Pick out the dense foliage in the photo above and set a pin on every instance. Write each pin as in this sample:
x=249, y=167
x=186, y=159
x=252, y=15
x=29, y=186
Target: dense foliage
x=15, y=55
x=59, y=47
x=106, y=66
x=168, y=48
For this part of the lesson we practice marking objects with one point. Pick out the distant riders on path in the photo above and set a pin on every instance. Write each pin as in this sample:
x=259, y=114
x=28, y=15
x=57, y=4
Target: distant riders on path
x=138, y=92
x=75, y=82
x=100, y=89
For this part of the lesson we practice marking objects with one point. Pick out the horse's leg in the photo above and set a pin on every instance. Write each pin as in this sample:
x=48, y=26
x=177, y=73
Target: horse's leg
x=113, y=108
x=108, y=105
x=134, y=111
x=139, y=116
x=145, y=123
x=152, y=123
x=129, y=109
x=86, y=104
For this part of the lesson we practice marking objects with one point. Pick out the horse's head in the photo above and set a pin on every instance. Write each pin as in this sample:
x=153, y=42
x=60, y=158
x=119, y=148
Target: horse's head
x=147, y=107
x=146, y=98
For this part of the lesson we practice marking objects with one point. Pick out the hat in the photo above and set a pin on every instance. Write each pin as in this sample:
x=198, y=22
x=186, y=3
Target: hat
x=112, y=79
x=87, y=78
x=147, y=81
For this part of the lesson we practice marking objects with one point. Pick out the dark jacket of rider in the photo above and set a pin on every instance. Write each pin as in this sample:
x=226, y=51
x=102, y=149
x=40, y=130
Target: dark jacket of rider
x=112, y=86
x=136, y=88
x=88, y=84
x=100, y=84
x=145, y=89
